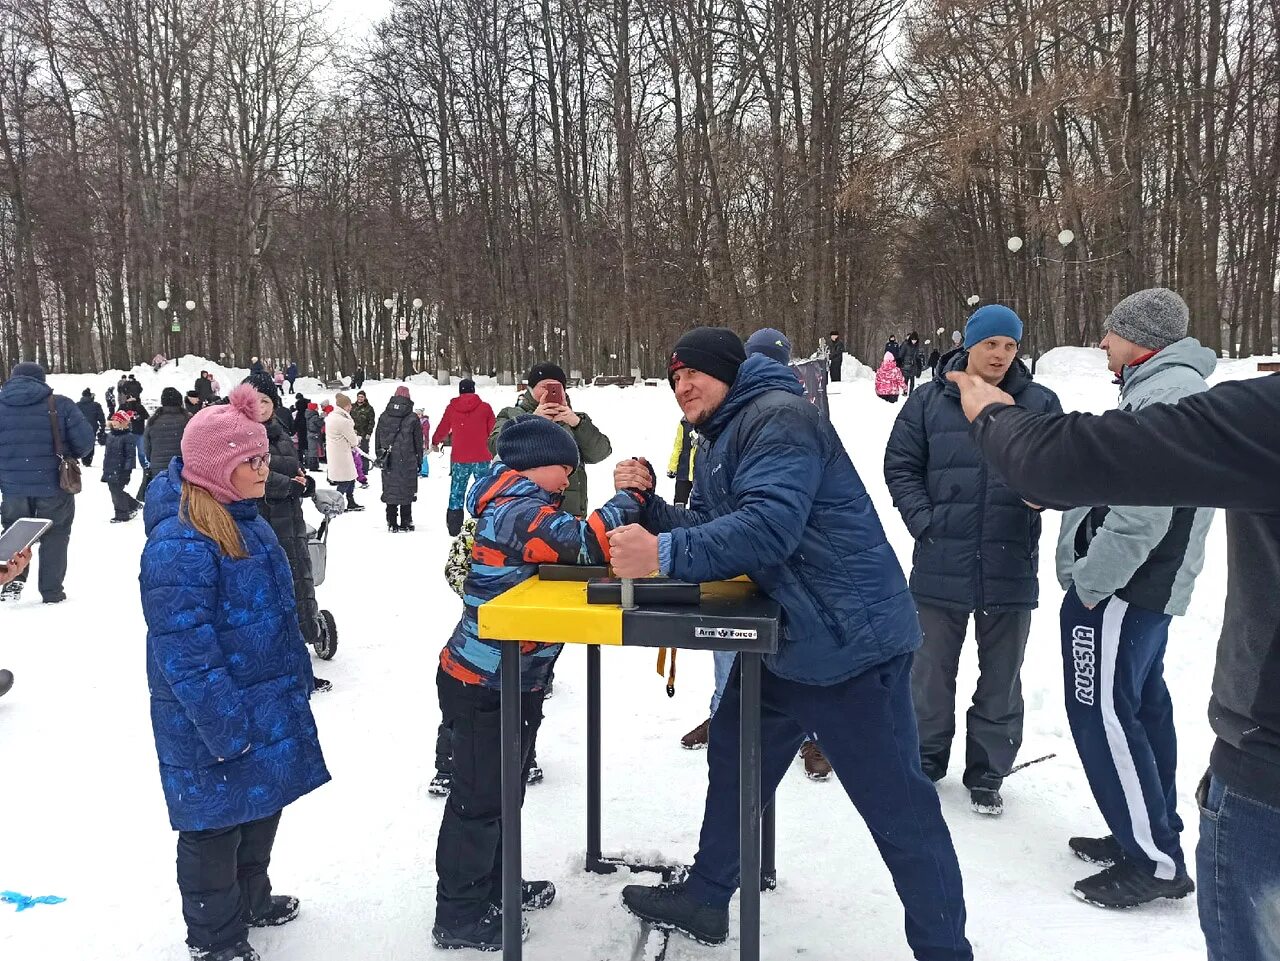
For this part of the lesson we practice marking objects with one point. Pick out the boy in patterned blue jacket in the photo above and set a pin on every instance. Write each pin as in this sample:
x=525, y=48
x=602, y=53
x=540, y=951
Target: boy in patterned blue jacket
x=519, y=525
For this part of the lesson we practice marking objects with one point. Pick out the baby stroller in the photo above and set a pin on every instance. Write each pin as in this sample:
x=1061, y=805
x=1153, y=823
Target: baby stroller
x=330, y=504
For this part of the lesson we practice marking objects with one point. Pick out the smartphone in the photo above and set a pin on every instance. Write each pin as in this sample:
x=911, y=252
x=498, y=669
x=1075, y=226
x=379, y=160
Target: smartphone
x=556, y=395
x=21, y=534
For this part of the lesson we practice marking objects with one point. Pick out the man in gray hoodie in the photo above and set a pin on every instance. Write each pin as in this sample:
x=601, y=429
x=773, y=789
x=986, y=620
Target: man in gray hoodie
x=1127, y=572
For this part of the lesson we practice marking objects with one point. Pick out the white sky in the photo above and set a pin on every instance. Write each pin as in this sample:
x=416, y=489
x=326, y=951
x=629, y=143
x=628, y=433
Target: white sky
x=352, y=18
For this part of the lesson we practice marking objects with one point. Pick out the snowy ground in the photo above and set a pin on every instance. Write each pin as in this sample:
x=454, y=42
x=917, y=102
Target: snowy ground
x=83, y=815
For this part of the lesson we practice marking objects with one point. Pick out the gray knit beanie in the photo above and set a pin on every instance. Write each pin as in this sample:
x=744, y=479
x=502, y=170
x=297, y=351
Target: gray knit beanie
x=1152, y=318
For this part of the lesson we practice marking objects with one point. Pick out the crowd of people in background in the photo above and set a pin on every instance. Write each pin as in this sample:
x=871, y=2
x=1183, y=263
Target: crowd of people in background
x=865, y=678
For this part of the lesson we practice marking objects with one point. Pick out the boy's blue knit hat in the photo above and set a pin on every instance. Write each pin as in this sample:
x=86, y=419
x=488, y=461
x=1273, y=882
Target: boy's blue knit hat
x=993, y=320
x=770, y=342
x=531, y=441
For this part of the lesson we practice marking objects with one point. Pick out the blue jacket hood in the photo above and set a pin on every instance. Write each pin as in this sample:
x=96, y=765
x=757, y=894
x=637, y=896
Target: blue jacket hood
x=757, y=375
x=24, y=391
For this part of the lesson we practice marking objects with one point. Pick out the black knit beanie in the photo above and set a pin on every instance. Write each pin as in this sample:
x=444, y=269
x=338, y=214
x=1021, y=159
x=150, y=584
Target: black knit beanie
x=545, y=371
x=531, y=441
x=468, y=386
x=716, y=351
x=170, y=397
x=261, y=381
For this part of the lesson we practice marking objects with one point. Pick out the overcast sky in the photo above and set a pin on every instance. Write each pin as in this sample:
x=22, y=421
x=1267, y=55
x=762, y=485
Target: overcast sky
x=352, y=18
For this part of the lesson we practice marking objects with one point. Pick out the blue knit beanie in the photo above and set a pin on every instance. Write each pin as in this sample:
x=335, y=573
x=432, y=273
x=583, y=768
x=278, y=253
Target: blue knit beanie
x=772, y=343
x=993, y=320
x=531, y=441
x=30, y=369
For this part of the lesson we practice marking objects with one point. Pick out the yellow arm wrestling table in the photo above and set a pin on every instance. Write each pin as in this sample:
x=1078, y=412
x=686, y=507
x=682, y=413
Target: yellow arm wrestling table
x=552, y=608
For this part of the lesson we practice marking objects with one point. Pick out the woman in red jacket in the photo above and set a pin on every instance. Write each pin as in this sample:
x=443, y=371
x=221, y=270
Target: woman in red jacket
x=467, y=422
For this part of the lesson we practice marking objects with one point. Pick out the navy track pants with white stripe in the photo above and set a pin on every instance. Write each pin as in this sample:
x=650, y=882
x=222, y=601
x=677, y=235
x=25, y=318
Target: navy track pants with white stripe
x=1121, y=718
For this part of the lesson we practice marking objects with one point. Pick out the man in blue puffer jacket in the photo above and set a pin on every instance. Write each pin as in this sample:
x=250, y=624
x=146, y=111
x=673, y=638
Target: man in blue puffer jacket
x=785, y=506
x=29, y=469
x=977, y=553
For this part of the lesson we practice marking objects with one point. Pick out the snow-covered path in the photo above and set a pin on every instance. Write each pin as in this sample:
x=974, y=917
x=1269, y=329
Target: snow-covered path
x=83, y=816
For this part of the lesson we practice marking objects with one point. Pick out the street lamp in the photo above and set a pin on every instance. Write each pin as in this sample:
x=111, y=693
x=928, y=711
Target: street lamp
x=388, y=303
x=190, y=305
x=417, y=303
x=1065, y=237
x=972, y=302
x=162, y=304
x=1014, y=244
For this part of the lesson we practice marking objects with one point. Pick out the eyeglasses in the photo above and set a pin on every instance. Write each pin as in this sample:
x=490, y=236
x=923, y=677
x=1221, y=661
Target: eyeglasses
x=258, y=461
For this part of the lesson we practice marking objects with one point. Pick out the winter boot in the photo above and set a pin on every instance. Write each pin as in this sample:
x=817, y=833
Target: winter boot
x=535, y=774
x=536, y=895
x=934, y=769
x=668, y=908
x=321, y=686
x=816, y=767
x=6, y=682
x=482, y=935
x=1125, y=885
x=453, y=520
x=237, y=952
x=1103, y=851
x=281, y=910
x=698, y=738
x=985, y=800
x=352, y=505
x=441, y=784
x=393, y=526
x=12, y=591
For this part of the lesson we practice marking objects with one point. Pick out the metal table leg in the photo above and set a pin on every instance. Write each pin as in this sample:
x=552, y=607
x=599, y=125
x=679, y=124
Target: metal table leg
x=768, y=836
x=595, y=863
x=749, y=807
x=512, y=921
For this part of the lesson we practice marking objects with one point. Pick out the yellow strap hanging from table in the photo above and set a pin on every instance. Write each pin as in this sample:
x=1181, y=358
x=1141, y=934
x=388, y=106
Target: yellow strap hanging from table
x=662, y=669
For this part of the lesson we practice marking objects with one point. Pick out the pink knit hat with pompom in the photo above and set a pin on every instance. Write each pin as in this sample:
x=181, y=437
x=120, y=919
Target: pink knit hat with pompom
x=219, y=439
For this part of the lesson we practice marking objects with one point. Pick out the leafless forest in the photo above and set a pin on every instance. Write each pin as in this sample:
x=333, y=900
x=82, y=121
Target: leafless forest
x=481, y=182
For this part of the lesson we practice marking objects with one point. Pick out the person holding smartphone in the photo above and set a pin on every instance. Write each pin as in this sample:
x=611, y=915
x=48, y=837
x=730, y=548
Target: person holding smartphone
x=546, y=395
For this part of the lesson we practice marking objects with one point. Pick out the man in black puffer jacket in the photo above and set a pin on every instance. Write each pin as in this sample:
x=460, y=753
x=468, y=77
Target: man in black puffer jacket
x=163, y=437
x=977, y=553
x=92, y=412
x=287, y=485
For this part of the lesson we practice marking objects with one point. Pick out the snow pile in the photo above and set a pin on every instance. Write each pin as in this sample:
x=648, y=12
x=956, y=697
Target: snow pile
x=80, y=770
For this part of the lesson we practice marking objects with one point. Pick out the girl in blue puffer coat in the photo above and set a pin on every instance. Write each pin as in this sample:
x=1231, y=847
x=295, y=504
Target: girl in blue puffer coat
x=229, y=678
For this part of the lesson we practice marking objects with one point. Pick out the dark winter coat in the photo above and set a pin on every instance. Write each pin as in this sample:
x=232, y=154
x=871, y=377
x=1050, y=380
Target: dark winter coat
x=164, y=438
x=785, y=506
x=111, y=400
x=977, y=543
x=593, y=447
x=298, y=423
x=92, y=412
x=204, y=390
x=911, y=359
x=1219, y=448
x=467, y=423
x=291, y=373
x=228, y=672
x=119, y=457
x=135, y=407
x=282, y=509
x=130, y=387
x=28, y=464
x=891, y=346
x=315, y=427
x=363, y=417
x=399, y=444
